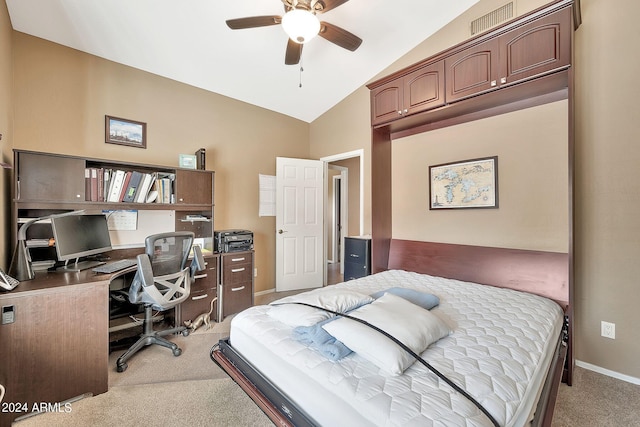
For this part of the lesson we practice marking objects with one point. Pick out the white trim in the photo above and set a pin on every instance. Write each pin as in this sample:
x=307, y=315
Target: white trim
x=607, y=372
x=266, y=292
x=348, y=155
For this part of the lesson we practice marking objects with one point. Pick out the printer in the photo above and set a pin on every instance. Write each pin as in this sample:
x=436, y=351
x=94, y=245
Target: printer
x=232, y=241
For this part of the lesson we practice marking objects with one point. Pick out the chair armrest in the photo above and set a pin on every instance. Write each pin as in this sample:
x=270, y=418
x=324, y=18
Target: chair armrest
x=198, y=263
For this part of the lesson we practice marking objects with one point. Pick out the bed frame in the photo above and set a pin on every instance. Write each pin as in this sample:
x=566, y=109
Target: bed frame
x=538, y=272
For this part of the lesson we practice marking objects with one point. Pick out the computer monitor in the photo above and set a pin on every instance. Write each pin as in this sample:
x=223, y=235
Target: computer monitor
x=78, y=236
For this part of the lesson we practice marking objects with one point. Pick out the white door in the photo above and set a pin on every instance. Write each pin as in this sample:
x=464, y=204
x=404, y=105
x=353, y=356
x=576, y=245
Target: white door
x=299, y=224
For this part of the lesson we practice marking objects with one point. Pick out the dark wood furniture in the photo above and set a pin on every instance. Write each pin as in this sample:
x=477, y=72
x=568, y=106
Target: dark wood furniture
x=357, y=257
x=524, y=63
x=46, y=183
x=57, y=348
x=236, y=283
x=203, y=292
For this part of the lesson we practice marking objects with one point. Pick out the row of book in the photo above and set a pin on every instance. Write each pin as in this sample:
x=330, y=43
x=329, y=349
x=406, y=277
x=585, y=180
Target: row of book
x=115, y=185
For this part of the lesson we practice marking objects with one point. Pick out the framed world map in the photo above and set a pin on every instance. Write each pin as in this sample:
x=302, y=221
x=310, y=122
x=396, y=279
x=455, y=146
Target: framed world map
x=464, y=184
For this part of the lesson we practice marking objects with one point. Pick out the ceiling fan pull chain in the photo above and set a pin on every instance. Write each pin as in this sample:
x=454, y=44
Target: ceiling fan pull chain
x=301, y=70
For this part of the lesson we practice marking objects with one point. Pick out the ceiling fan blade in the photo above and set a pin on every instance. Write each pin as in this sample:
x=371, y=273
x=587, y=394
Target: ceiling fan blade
x=253, y=21
x=339, y=36
x=331, y=4
x=293, y=53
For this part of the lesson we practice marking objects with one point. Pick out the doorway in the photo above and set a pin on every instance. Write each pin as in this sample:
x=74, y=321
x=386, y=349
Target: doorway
x=344, y=215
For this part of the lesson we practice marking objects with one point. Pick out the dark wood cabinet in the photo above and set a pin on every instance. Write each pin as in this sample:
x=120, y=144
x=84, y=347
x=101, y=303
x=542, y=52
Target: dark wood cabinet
x=194, y=187
x=415, y=92
x=46, y=183
x=528, y=51
x=203, y=290
x=49, y=177
x=236, y=283
x=357, y=257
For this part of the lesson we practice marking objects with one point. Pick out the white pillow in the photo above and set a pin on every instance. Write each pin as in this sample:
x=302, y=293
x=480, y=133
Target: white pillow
x=338, y=300
x=412, y=325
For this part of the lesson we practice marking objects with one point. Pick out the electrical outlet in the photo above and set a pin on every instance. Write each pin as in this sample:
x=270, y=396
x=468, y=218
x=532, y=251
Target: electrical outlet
x=608, y=330
x=255, y=272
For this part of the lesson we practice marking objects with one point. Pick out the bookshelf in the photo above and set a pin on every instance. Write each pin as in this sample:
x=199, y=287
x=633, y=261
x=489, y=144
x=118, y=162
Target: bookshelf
x=173, y=198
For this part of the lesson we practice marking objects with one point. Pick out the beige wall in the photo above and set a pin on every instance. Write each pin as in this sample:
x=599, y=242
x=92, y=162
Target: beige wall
x=532, y=181
x=62, y=95
x=607, y=206
x=607, y=188
x=6, y=119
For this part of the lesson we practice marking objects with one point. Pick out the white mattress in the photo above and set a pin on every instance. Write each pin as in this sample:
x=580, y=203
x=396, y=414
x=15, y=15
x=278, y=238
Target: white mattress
x=499, y=352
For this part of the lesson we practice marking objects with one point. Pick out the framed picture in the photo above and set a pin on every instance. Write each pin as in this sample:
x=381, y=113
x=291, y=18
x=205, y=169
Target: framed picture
x=187, y=161
x=464, y=185
x=125, y=132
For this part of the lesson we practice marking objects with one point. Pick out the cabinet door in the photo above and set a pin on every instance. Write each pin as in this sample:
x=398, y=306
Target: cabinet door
x=194, y=187
x=472, y=71
x=50, y=178
x=537, y=48
x=386, y=102
x=424, y=89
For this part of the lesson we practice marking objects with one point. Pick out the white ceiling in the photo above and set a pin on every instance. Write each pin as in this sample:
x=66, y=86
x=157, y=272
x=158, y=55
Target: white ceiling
x=188, y=41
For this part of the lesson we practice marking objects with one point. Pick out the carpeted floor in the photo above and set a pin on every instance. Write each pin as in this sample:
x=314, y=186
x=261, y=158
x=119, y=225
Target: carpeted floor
x=159, y=389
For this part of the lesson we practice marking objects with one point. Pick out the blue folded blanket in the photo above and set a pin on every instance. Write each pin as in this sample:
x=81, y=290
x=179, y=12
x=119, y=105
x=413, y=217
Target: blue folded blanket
x=321, y=340
x=422, y=299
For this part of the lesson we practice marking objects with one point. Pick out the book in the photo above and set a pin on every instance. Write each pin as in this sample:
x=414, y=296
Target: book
x=117, y=182
x=134, y=183
x=87, y=184
x=94, y=184
x=125, y=185
x=143, y=190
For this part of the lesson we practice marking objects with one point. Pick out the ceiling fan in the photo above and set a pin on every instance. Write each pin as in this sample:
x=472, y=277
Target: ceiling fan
x=301, y=24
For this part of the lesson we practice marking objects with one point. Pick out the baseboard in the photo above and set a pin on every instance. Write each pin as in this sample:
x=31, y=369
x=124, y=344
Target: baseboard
x=607, y=372
x=268, y=291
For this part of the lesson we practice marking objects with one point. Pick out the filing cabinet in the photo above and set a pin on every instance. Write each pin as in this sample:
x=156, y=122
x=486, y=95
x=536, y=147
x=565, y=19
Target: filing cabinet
x=236, y=283
x=357, y=257
x=203, y=290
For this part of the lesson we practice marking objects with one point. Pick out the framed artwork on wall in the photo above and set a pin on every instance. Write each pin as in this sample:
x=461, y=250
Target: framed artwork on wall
x=125, y=132
x=464, y=184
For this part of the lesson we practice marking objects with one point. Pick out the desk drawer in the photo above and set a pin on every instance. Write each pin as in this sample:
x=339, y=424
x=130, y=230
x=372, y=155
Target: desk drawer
x=237, y=268
x=236, y=297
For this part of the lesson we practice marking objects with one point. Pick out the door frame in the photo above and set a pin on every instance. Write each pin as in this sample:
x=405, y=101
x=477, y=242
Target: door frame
x=334, y=158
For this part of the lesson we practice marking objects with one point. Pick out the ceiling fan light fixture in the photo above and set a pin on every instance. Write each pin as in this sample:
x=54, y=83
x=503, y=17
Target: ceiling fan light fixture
x=300, y=25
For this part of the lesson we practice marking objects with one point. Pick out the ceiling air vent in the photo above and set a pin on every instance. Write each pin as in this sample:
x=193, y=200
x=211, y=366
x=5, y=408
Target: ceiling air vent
x=492, y=19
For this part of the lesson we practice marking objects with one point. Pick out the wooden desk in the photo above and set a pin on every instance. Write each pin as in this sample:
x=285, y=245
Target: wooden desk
x=58, y=346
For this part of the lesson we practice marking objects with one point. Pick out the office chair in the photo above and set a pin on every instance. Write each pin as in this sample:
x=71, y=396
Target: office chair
x=162, y=281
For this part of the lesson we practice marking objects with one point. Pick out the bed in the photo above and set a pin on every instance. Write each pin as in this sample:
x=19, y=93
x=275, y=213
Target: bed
x=505, y=347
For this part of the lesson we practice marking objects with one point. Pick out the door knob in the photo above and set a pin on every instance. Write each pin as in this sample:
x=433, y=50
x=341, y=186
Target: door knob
x=281, y=231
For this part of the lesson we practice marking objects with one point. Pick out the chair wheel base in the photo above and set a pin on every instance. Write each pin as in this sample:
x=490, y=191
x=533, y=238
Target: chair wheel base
x=177, y=352
x=121, y=367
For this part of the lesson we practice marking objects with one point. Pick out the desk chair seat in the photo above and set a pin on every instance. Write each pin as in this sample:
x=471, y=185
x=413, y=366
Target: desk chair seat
x=162, y=281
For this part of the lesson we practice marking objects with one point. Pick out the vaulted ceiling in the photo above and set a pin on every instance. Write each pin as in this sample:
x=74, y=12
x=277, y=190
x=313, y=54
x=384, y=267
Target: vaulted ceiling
x=189, y=41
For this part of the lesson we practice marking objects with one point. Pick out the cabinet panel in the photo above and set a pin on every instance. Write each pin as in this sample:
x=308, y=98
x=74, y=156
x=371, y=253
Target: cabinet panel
x=194, y=187
x=49, y=177
x=472, y=71
x=386, y=102
x=424, y=88
x=539, y=47
x=418, y=91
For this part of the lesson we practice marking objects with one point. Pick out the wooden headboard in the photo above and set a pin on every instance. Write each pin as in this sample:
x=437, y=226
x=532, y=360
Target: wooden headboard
x=537, y=272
